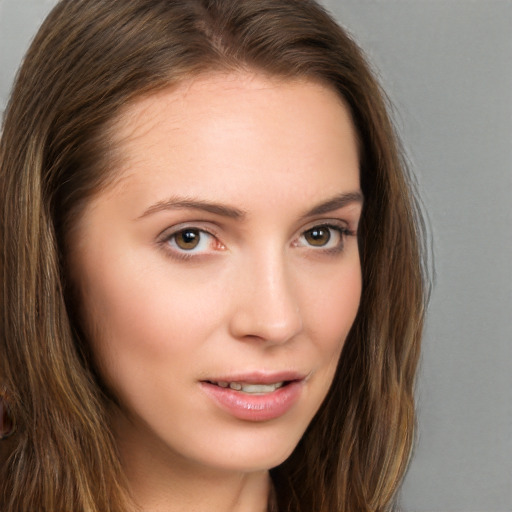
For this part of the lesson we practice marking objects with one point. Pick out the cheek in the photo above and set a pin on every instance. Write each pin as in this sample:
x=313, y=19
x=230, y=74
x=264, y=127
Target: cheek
x=329, y=309
x=135, y=317
x=331, y=306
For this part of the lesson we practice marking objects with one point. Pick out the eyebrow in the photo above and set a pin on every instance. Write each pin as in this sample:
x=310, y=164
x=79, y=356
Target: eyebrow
x=337, y=202
x=176, y=203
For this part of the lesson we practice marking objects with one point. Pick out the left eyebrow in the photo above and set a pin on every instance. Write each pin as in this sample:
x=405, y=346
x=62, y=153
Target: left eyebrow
x=335, y=203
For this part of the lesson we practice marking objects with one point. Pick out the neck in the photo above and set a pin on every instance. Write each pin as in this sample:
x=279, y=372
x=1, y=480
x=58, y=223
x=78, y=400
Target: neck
x=235, y=493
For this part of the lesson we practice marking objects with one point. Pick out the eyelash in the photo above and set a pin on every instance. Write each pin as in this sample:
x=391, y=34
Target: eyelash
x=168, y=240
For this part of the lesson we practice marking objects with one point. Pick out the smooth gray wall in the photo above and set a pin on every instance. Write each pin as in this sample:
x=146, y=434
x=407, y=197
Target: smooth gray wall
x=447, y=66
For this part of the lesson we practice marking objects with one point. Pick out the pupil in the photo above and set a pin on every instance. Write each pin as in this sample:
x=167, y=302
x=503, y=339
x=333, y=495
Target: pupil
x=188, y=239
x=318, y=236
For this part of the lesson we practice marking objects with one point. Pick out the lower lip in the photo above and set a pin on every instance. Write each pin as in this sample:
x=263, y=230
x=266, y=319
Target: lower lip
x=264, y=407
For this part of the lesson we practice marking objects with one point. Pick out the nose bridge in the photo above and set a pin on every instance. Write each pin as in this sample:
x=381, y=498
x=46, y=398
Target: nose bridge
x=267, y=305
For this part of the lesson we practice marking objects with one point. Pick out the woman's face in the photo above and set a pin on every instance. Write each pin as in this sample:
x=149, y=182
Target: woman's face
x=219, y=276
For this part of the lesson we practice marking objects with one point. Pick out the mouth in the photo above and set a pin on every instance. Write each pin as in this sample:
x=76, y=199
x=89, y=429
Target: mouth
x=250, y=387
x=255, y=397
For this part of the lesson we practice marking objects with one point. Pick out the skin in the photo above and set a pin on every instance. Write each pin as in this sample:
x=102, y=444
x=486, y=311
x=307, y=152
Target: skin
x=259, y=293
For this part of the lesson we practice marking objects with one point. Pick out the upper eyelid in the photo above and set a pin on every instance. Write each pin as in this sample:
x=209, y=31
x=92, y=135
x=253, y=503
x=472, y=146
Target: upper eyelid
x=329, y=222
x=324, y=221
x=330, y=225
x=342, y=230
x=174, y=230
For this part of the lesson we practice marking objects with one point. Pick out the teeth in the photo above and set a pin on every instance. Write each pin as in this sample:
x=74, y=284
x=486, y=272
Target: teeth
x=261, y=388
x=251, y=388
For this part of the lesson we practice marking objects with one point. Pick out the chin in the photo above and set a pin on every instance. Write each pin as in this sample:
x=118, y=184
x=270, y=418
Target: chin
x=253, y=460
x=259, y=447
x=244, y=449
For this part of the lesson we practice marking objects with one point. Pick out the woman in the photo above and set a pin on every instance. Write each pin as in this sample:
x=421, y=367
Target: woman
x=212, y=293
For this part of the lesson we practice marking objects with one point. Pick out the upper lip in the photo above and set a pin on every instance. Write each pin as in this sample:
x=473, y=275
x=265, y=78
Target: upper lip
x=259, y=377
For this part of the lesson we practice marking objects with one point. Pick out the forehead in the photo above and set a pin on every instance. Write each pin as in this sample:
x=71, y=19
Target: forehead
x=226, y=128
x=207, y=93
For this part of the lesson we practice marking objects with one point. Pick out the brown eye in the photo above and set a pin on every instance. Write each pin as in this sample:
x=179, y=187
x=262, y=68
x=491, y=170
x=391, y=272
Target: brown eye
x=318, y=236
x=187, y=239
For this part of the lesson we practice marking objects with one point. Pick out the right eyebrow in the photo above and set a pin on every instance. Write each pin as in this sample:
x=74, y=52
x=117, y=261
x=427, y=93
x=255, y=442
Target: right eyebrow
x=177, y=203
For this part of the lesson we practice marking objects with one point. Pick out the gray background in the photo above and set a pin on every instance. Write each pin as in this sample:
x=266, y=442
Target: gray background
x=447, y=66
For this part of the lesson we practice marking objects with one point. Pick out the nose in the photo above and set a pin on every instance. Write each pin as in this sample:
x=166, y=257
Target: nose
x=266, y=302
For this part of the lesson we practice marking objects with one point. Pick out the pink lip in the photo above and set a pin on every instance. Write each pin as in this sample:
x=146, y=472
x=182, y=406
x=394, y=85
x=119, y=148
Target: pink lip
x=262, y=407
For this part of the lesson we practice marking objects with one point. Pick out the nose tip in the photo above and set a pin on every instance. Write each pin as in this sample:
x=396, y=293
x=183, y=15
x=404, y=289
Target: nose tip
x=274, y=328
x=268, y=310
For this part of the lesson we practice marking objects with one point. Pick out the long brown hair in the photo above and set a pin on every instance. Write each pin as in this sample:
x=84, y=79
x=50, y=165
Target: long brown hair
x=89, y=59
